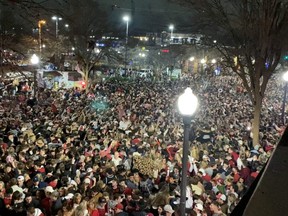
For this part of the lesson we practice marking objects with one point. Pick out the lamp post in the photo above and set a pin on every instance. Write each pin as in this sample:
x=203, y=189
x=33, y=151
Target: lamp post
x=187, y=104
x=171, y=28
x=142, y=56
x=126, y=19
x=202, y=61
x=40, y=23
x=285, y=78
x=57, y=19
x=35, y=60
x=191, y=59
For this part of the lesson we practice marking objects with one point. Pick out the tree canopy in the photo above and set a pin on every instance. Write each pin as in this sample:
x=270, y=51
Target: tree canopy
x=251, y=36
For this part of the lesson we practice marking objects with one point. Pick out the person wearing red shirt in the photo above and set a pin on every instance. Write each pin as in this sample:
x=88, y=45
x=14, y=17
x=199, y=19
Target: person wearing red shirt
x=244, y=173
x=102, y=207
x=233, y=154
x=236, y=175
x=205, y=177
x=46, y=202
x=92, y=210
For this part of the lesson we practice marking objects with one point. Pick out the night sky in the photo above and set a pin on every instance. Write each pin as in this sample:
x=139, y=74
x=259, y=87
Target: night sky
x=148, y=15
x=152, y=16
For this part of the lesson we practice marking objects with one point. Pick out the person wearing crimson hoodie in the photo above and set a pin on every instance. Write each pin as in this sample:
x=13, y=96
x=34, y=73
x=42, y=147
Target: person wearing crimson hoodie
x=245, y=172
x=102, y=206
x=172, y=150
x=235, y=174
x=46, y=202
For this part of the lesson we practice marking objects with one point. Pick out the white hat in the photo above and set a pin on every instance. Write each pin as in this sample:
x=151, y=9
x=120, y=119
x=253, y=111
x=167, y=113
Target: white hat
x=49, y=189
x=221, y=196
x=20, y=178
x=136, y=154
x=168, y=208
x=87, y=181
x=205, y=156
x=199, y=206
x=198, y=201
x=202, y=171
x=69, y=196
x=89, y=169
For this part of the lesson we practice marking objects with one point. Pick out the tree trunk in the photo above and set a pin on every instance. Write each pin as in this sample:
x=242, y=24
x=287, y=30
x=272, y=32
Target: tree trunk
x=256, y=119
x=87, y=84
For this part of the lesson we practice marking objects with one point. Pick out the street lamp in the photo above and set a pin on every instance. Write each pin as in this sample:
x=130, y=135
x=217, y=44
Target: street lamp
x=34, y=61
x=126, y=19
x=191, y=59
x=187, y=104
x=171, y=28
x=213, y=61
x=142, y=54
x=203, y=62
x=285, y=78
x=40, y=23
x=57, y=19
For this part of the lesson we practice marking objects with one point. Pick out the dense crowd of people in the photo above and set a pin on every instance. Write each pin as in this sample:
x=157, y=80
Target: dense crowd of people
x=117, y=149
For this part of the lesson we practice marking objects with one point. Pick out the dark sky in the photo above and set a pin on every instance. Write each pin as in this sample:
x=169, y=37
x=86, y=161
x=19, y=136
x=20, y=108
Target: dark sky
x=148, y=15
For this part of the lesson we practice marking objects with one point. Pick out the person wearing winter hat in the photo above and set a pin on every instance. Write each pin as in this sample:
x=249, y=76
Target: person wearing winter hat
x=221, y=199
x=102, y=202
x=198, y=208
x=168, y=210
x=46, y=202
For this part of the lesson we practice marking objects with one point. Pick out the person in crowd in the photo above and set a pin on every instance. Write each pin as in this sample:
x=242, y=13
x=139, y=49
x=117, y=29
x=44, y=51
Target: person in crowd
x=116, y=149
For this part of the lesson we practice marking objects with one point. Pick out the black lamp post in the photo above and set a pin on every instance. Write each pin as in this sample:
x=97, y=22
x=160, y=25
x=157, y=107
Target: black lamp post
x=187, y=104
x=126, y=19
x=35, y=61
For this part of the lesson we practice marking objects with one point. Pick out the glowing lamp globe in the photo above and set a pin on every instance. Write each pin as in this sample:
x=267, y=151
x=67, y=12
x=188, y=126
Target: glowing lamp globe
x=126, y=18
x=285, y=76
x=187, y=103
x=34, y=59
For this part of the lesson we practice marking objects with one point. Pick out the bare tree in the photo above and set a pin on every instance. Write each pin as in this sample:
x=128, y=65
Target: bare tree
x=170, y=57
x=87, y=25
x=252, y=32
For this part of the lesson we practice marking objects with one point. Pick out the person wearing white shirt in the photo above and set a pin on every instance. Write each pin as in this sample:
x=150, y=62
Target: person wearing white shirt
x=116, y=159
